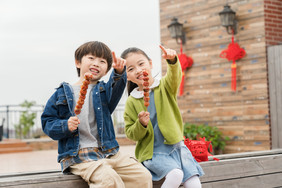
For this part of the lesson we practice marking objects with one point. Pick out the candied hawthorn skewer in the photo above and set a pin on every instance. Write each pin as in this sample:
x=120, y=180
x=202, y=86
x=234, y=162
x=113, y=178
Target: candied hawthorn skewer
x=82, y=93
x=146, y=89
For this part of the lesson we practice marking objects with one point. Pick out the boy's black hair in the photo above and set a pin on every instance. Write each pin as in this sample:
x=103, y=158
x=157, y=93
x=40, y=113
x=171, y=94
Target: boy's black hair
x=95, y=48
x=125, y=53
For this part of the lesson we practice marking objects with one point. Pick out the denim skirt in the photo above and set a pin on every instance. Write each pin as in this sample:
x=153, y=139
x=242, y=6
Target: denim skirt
x=178, y=157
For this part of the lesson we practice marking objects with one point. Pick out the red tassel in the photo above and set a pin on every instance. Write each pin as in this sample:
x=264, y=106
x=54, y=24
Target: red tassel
x=233, y=77
x=181, y=88
x=185, y=62
x=233, y=52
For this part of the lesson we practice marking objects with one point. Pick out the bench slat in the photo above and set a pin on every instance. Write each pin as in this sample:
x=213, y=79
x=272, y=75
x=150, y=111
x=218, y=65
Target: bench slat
x=262, y=169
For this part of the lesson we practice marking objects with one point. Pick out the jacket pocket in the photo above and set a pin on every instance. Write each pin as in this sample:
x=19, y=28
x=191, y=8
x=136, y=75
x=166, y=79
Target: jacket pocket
x=62, y=107
x=103, y=96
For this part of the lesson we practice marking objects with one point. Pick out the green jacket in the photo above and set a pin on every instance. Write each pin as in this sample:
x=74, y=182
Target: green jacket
x=168, y=115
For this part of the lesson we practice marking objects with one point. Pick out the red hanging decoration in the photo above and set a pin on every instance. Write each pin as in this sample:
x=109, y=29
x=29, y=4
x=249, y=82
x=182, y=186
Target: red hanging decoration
x=233, y=52
x=185, y=62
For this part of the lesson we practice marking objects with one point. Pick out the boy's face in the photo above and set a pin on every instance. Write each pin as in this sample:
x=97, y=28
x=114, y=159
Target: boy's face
x=95, y=65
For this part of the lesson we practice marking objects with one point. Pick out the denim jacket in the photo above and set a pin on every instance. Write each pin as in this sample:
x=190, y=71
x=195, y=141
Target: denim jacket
x=60, y=107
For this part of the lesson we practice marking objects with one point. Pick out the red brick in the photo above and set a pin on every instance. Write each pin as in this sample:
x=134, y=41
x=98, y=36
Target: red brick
x=273, y=34
x=272, y=25
x=272, y=7
x=276, y=12
x=276, y=3
x=277, y=30
x=278, y=39
x=277, y=21
x=271, y=16
x=272, y=43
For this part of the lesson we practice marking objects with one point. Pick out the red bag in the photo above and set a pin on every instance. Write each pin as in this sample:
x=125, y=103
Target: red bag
x=199, y=149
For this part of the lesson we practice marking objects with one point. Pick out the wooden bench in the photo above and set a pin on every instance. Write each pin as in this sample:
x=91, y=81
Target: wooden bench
x=251, y=169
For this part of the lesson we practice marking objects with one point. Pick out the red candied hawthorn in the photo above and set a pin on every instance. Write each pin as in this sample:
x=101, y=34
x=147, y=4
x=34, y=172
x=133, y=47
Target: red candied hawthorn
x=146, y=89
x=82, y=93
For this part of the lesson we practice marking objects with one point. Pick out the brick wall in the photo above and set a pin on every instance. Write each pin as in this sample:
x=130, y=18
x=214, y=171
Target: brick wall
x=273, y=22
x=208, y=99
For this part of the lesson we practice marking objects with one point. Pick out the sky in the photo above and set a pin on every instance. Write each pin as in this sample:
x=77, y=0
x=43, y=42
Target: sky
x=38, y=40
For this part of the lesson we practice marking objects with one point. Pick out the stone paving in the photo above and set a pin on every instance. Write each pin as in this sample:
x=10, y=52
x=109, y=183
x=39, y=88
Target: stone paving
x=43, y=160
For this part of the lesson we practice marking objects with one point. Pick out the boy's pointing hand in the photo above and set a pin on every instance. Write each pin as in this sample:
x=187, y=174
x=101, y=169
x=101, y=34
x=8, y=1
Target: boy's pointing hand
x=118, y=63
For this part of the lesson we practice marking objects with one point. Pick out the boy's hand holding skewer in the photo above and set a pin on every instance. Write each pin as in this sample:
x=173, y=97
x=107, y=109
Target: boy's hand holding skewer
x=74, y=121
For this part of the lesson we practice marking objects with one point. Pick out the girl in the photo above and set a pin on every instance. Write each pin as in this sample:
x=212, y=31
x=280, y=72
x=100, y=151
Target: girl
x=158, y=131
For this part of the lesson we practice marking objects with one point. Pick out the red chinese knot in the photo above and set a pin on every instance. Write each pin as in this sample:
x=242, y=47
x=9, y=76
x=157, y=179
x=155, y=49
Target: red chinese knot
x=186, y=62
x=233, y=53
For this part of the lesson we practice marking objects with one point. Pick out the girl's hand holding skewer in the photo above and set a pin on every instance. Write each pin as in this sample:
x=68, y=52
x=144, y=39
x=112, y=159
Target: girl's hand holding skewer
x=144, y=118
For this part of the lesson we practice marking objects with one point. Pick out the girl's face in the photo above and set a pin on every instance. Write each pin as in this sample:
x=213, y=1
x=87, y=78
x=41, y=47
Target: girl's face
x=95, y=65
x=135, y=65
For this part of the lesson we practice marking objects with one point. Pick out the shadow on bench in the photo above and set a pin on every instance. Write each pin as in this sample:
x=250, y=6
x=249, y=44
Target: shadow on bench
x=251, y=169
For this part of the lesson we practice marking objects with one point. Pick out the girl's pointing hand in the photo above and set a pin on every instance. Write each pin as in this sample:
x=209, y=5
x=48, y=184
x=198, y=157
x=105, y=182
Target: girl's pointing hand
x=168, y=54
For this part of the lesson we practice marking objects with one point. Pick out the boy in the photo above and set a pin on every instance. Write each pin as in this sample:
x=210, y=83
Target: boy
x=86, y=143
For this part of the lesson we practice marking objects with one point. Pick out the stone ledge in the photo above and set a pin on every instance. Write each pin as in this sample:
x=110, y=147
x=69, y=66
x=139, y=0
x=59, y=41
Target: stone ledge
x=13, y=146
x=47, y=143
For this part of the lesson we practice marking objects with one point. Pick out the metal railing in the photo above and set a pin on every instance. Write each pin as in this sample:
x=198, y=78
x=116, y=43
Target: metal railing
x=10, y=116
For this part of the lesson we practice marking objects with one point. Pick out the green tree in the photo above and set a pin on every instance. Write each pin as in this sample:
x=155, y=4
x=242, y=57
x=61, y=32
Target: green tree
x=26, y=121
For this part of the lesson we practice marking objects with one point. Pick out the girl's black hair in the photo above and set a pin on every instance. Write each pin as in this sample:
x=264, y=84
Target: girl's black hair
x=125, y=53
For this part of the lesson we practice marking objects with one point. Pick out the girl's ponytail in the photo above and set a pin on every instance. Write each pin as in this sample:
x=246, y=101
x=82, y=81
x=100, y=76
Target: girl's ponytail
x=130, y=87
